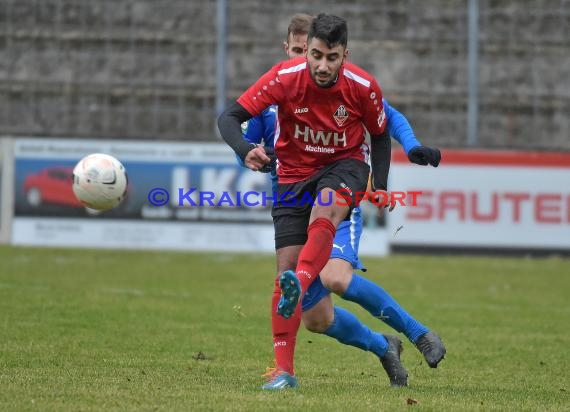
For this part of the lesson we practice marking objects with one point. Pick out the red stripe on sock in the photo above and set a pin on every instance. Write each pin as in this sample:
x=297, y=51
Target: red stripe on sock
x=316, y=252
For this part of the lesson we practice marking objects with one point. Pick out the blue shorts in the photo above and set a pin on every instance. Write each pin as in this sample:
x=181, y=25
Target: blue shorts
x=345, y=246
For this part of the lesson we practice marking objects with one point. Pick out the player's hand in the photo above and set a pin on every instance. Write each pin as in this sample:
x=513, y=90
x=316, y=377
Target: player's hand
x=423, y=155
x=256, y=158
x=270, y=152
x=382, y=200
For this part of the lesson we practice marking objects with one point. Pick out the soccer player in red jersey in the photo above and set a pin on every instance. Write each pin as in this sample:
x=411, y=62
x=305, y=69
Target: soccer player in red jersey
x=324, y=104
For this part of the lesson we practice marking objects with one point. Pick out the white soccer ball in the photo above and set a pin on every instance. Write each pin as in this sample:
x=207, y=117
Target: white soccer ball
x=100, y=181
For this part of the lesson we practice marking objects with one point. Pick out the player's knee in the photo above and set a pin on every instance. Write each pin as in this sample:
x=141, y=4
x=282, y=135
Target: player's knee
x=336, y=278
x=319, y=318
x=334, y=213
x=337, y=284
x=317, y=325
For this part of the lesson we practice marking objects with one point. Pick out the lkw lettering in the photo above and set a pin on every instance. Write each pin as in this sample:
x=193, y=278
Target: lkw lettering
x=321, y=137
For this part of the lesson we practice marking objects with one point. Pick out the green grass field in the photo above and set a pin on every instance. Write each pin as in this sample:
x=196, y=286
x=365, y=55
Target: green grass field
x=144, y=331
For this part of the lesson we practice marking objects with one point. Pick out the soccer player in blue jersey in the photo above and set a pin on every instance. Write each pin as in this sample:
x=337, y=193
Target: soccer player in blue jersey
x=318, y=312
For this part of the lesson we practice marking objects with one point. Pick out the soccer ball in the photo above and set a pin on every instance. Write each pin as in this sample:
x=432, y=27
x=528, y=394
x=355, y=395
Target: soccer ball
x=100, y=181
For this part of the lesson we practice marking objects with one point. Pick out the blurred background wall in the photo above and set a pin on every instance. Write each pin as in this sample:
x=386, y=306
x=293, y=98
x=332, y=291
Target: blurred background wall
x=142, y=69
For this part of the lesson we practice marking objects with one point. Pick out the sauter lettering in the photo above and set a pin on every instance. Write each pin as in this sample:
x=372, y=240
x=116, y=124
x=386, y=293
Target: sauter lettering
x=455, y=205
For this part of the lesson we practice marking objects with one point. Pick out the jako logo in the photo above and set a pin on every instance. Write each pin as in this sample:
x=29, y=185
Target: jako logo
x=301, y=110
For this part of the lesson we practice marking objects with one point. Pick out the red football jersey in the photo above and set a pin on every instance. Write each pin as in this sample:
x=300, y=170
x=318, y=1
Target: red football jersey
x=317, y=126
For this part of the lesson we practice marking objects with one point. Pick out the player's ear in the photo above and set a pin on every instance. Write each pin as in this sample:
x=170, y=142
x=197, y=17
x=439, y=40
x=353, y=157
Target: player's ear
x=346, y=52
x=286, y=48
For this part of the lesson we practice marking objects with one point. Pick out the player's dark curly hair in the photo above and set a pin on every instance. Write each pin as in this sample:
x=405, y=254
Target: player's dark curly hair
x=331, y=29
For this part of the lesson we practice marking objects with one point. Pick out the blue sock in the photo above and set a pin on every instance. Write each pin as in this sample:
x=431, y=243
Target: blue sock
x=382, y=306
x=347, y=329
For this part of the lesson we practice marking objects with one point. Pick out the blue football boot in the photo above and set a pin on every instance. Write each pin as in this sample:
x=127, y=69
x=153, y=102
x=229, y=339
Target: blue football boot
x=290, y=294
x=278, y=379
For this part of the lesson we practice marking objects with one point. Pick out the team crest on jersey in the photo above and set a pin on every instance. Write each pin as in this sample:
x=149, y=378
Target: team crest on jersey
x=341, y=115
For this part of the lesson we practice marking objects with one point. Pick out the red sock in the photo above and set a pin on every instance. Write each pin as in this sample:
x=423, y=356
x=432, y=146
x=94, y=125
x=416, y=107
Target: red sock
x=284, y=333
x=316, y=252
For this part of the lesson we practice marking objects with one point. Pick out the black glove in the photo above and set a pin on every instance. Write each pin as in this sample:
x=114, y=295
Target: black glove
x=269, y=167
x=423, y=155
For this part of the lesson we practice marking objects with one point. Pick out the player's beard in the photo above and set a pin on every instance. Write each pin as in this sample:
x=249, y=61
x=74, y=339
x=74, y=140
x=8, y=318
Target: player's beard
x=328, y=79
